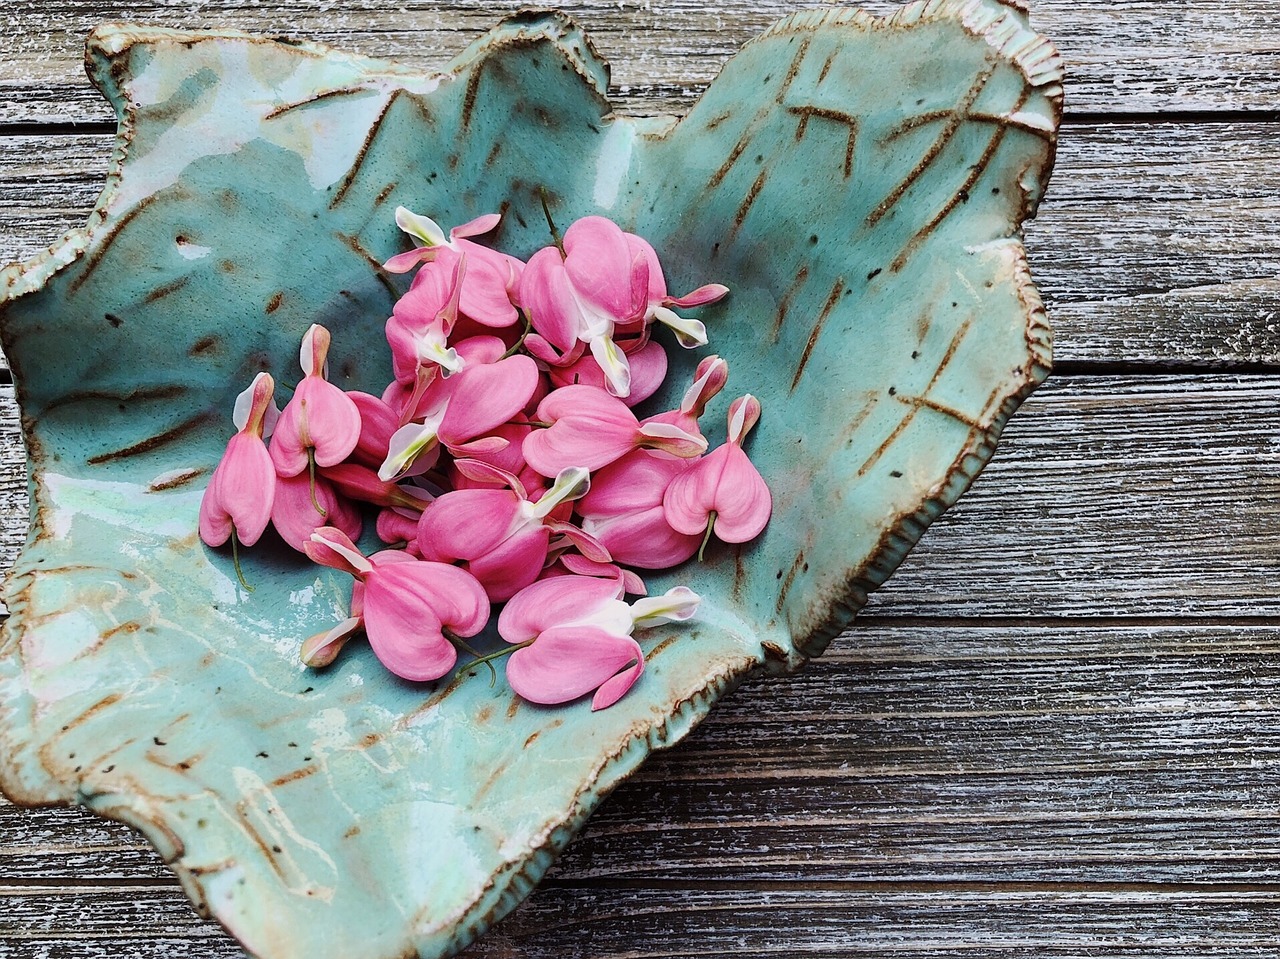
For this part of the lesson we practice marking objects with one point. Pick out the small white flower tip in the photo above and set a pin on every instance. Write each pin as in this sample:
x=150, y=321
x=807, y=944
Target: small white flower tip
x=422, y=228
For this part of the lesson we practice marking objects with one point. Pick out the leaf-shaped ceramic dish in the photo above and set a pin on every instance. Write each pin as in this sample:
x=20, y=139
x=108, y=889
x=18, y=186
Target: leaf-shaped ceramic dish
x=858, y=183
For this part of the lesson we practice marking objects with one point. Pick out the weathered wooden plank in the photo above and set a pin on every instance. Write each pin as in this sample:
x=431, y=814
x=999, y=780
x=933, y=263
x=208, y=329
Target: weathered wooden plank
x=1144, y=56
x=917, y=921
x=641, y=921
x=1156, y=244
x=1114, y=497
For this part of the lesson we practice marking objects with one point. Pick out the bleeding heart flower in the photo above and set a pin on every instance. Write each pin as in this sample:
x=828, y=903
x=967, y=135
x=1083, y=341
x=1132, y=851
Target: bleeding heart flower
x=421, y=322
x=509, y=459
x=322, y=649
x=242, y=488
x=571, y=564
x=689, y=333
x=624, y=511
x=492, y=277
x=580, y=296
x=574, y=634
x=590, y=428
x=361, y=483
x=303, y=504
x=378, y=421
x=462, y=411
x=407, y=605
x=397, y=525
x=320, y=425
x=722, y=491
x=501, y=536
x=708, y=380
x=648, y=370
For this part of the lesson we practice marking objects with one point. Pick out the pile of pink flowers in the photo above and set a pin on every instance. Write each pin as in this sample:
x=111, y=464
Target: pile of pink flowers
x=504, y=462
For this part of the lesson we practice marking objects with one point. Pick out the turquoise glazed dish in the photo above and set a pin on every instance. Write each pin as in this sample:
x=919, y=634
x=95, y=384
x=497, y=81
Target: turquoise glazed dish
x=867, y=221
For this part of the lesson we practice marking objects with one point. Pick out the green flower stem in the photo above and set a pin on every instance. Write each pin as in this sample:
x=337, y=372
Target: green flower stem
x=488, y=658
x=235, y=560
x=311, y=469
x=546, y=211
x=515, y=347
x=711, y=524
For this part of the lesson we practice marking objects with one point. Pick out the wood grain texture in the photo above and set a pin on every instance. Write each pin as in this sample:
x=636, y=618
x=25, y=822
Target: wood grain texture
x=1143, y=55
x=1155, y=244
x=919, y=788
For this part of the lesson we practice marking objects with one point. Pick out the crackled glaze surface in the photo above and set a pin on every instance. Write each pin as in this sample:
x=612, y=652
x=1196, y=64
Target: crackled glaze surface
x=881, y=310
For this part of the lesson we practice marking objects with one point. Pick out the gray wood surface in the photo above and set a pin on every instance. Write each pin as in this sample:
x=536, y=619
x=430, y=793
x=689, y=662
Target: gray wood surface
x=1056, y=731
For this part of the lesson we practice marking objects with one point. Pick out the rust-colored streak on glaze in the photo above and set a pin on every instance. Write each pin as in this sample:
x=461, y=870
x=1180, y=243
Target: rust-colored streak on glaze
x=160, y=292
x=785, y=304
x=385, y=192
x=250, y=830
x=923, y=402
x=974, y=116
x=949, y=355
x=718, y=119
x=320, y=97
x=653, y=653
x=826, y=65
x=181, y=766
x=961, y=195
x=494, y=152
x=788, y=581
x=171, y=435
x=513, y=707
x=794, y=69
x=955, y=119
x=723, y=171
x=739, y=573
x=128, y=627
x=491, y=781
x=835, y=116
x=851, y=428
x=407, y=720
x=888, y=441
x=823, y=316
x=106, y=702
x=845, y=119
x=748, y=201
x=95, y=258
x=906, y=421
x=300, y=773
x=350, y=176
x=170, y=391
x=533, y=738
x=383, y=276
x=276, y=301
x=469, y=96
x=206, y=344
x=924, y=323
